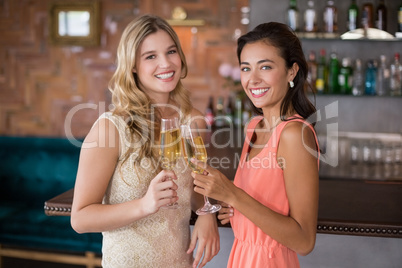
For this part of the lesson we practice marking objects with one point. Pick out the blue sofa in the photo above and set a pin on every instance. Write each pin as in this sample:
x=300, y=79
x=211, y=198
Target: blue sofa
x=32, y=171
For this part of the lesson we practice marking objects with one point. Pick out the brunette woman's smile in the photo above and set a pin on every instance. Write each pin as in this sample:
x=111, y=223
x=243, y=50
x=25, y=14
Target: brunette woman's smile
x=258, y=92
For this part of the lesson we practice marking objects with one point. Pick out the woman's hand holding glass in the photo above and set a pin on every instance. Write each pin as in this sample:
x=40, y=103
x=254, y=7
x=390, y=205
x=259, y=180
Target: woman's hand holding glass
x=161, y=192
x=216, y=185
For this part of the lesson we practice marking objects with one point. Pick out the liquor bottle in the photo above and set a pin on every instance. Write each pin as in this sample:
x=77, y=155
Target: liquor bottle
x=400, y=18
x=219, y=115
x=381, y=16
x=396, y=76
x=330, y=17
x=312, y=70
x=246, y=113
x=321, y=80
x=382, y=82
x=238, y=111
x=370, y=78
x=358, y=79
x=209, y=112
x=367, y=15
x=333, y=73
x=229, y=110
x=293, y=15
x=310, y=18
x=353, y=13
x=345, y=77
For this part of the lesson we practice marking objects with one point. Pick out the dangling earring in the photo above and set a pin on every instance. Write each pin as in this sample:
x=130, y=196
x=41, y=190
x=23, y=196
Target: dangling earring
x=291, y=84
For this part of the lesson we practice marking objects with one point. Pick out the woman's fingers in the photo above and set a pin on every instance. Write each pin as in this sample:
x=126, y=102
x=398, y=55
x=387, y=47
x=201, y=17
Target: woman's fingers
x=166, y=175
x=225, y=213
x=164, y=186
x=165, y=179
x=225, y=221
x=201, y=165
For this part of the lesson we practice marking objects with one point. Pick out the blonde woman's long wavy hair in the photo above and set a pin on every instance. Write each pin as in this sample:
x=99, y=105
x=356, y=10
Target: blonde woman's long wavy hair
x=129, y=100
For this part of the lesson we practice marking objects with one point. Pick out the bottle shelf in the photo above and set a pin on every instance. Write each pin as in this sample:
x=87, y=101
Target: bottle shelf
x=333, y=95
x=320, y=36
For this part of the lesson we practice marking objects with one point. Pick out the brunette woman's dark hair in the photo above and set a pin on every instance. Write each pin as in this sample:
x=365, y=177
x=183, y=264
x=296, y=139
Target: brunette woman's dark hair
x=284, y=39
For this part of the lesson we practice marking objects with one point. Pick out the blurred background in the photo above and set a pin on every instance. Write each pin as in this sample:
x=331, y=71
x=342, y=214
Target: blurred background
x=56, y=86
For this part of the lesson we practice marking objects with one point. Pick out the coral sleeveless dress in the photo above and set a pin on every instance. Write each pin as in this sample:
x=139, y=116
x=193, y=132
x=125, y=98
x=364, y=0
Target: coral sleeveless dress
x=262, y=178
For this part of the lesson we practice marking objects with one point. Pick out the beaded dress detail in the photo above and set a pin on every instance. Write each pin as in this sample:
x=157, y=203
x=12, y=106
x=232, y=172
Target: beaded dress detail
x=159, y=240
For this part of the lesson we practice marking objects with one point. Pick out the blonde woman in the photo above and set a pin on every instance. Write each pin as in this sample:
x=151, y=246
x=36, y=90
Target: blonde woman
x=120, y=188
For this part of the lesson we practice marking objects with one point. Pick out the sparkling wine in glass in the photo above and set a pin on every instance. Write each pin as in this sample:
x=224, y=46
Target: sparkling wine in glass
x=170, y=146
x=193, y=147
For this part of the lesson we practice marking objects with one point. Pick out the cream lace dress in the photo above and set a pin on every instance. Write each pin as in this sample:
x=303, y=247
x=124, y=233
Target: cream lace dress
x=159, y=240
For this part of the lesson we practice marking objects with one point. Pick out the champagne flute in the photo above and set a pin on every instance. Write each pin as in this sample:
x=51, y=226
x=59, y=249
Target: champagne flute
x=170, y=146
x=193, y=147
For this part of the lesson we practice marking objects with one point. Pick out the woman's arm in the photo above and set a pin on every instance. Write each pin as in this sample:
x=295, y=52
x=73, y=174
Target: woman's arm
x=98, y=160
x=296, y=231
x=205, y=230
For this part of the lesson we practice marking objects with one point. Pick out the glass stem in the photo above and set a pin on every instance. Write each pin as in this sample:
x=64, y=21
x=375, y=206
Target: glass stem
x=206, y=200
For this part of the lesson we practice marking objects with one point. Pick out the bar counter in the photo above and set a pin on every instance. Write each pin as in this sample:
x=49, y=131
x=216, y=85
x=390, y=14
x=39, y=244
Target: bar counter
x=347, y=206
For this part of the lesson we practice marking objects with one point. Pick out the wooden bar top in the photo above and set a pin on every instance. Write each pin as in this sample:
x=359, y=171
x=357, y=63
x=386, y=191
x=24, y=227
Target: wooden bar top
x=348, y=207
x=60, y=205
x=357, y=207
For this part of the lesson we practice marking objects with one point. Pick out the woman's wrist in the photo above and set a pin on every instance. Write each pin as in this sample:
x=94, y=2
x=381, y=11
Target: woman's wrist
x=233, y=196
x=141, y=207
x=208, y=217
